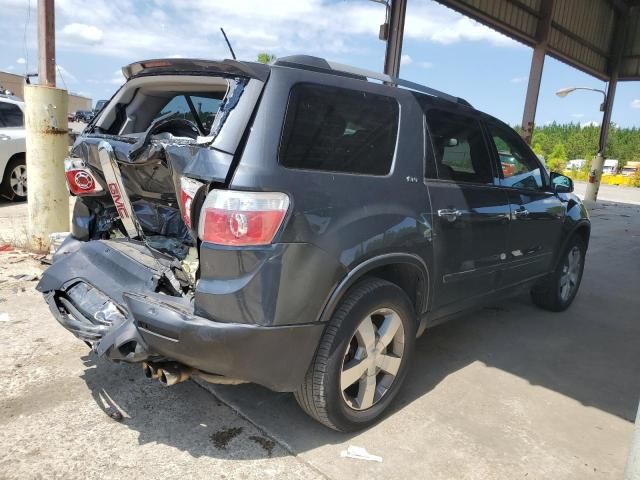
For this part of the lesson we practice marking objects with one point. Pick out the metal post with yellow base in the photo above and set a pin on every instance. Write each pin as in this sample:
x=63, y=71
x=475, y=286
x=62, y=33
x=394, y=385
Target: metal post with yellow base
x=47, y=146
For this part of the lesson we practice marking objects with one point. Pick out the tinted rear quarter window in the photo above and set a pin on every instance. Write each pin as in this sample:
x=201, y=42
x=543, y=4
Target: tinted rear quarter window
x=339, y=130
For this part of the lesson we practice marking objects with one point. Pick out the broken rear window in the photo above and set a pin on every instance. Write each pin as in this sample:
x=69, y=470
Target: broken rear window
x=198, y=108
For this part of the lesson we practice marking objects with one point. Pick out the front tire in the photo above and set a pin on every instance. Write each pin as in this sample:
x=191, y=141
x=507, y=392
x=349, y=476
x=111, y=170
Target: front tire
x=363, y=357
x=556, y=291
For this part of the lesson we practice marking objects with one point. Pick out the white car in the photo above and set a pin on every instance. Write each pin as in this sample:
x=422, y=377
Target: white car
x=13, y=167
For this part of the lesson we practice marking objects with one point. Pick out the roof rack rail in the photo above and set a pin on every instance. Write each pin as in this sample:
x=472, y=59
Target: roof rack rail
x=383, y=77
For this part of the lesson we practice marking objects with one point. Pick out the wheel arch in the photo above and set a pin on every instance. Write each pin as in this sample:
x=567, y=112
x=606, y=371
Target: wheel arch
x=582, y=229
x=15, y=156
x=406, y=270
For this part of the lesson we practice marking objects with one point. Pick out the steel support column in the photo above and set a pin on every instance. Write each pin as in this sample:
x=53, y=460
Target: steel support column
x=606, y=116
x=595, y=172
x=393, y=52
x=535, y=72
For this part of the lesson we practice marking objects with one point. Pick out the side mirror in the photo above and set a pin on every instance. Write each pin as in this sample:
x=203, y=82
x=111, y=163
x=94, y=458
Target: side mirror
x=561, y=183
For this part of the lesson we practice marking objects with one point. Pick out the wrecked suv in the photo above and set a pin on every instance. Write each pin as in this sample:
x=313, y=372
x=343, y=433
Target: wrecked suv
x=298, y=226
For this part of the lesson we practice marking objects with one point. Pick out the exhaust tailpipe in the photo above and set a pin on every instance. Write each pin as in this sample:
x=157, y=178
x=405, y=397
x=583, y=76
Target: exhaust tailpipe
x=150, y=370
x=170, y=375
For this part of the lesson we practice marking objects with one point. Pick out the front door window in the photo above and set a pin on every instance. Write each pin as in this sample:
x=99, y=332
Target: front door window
x=519, y=168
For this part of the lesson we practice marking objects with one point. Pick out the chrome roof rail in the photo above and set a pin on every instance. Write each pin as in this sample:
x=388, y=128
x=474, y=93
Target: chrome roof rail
x=383, y=77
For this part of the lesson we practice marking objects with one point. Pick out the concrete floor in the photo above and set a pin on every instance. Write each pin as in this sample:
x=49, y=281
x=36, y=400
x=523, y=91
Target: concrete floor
x=611, y=193
x=506, y=392
x=57, y=403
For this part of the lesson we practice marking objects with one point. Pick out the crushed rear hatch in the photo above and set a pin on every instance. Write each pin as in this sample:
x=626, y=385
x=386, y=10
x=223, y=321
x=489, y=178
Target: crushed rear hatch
x=173, y=121
x=140, y=175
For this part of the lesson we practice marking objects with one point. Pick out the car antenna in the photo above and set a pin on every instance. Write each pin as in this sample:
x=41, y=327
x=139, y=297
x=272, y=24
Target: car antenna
x=228, y=44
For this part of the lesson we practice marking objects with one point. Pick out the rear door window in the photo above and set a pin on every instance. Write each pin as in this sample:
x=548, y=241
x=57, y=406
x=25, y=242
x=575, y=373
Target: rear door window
x=339, y=130
x=459, y=147
x=10, y=115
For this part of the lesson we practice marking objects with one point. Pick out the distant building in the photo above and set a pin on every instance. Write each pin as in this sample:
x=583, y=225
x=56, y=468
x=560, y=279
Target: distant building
x=610, y=166
x=576, y=164
x=15, y=83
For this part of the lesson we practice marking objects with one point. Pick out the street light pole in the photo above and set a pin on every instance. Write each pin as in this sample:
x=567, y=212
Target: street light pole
x=46, y=43
x=595, y=173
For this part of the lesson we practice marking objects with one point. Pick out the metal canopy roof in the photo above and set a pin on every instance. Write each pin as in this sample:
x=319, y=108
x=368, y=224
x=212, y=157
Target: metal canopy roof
x=586, y=34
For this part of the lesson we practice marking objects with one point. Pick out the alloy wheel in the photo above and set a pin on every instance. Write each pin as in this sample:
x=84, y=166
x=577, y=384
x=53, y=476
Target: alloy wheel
x=372, y=360
x=570, y=273
x=18, y=181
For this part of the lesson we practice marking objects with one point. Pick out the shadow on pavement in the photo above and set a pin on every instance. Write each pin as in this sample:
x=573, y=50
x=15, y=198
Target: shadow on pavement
x=184, y=416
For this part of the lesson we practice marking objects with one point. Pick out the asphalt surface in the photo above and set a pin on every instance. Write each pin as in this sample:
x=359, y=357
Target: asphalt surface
x=507, y=391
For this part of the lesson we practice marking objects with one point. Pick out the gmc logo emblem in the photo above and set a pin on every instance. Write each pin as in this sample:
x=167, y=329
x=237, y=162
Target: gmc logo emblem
x=117, y=200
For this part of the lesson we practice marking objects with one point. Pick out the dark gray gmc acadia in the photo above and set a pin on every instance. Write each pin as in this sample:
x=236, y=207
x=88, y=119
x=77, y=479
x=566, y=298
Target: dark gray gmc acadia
x=298, y=225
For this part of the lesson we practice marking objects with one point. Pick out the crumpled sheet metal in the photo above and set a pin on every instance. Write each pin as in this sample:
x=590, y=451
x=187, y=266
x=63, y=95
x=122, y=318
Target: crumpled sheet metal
x=152, y=178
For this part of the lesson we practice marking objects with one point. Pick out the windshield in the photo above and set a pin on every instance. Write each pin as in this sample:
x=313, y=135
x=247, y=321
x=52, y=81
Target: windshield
x=198, y=108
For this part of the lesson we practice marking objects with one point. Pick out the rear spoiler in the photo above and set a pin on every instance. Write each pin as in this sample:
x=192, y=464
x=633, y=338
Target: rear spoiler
x=195, y=66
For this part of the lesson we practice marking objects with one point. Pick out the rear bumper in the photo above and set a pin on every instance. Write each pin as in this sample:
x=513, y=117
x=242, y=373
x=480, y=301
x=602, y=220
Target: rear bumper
x=276, y=357
x=149, y=326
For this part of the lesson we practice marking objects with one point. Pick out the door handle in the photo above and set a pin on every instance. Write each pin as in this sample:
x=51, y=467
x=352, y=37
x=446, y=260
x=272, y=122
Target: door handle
x=451, y=214
x=521, y=212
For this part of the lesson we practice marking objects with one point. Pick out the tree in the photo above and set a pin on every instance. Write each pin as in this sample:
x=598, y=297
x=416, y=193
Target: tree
x=541, y=139
x=537, y=149
x=582, y=142
x=266, y=58
x=558, y=158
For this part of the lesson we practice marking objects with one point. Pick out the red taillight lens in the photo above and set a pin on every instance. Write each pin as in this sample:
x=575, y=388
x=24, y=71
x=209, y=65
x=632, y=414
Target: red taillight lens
x=188, y=190
x=242, y=218
x=79, y=178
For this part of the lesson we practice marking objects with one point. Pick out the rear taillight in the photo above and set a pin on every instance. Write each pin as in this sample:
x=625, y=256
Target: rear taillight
x=188, y=189
x=79, y=178
x=231, y=217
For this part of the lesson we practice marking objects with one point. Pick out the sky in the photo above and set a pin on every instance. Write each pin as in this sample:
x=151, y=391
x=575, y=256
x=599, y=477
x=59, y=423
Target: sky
x=442, y=49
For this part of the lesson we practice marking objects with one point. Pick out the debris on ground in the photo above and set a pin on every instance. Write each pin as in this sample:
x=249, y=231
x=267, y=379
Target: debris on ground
x=4, y=317
x=6, y=248
x=265, y=443
x=222, y=438
x=359, y=453
x=56, y=239
x=25, y=277
x=115, y=414
x=42, y=258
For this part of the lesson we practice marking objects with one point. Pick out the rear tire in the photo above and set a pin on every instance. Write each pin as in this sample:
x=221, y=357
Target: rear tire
x=14, y=183
x=363, y=357
x=556, y=291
